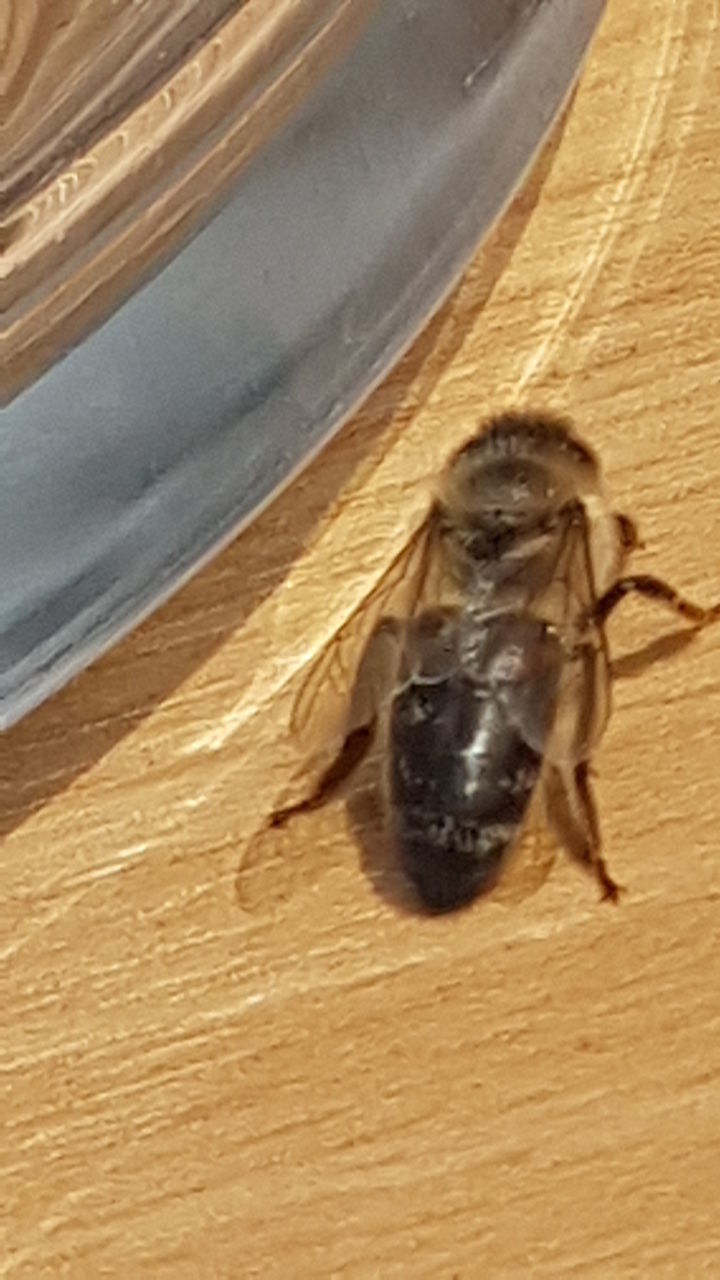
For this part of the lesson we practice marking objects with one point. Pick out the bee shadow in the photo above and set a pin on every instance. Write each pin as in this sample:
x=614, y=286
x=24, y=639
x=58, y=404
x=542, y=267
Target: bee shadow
x=368, y=828
x=284, y=863
x=629, y=666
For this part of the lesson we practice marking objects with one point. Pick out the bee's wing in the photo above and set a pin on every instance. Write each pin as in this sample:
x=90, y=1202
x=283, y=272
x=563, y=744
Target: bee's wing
x=532, y=856
x=572, y=591
x=583, y=698
x=335, y=698
x=319, y=718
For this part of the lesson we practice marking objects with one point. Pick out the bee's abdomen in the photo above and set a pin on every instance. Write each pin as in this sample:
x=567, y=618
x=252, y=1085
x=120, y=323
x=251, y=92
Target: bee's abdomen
x=460, y=782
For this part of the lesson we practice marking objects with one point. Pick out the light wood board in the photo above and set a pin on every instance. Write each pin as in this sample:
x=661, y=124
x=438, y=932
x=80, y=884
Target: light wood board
x=307, y=1080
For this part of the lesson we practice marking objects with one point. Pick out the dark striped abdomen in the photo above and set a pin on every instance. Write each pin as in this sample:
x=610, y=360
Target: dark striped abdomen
x=461, y=778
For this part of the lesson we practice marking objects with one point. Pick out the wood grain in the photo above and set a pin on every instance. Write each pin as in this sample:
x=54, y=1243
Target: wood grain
x=318, y=1083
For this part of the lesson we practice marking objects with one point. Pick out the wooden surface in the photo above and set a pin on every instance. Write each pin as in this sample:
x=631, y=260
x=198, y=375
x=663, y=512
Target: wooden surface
x=275, y=1072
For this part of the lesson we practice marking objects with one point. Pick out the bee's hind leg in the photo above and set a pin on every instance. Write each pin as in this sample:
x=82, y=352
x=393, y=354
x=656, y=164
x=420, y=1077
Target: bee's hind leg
x=351, y=754
x=572, y=813
x=654, y=589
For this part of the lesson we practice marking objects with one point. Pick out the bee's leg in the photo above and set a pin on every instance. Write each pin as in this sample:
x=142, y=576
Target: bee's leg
x=627, y=532
x=375, y=673
x=572, y=813
x=353, y=751
x=654, y=589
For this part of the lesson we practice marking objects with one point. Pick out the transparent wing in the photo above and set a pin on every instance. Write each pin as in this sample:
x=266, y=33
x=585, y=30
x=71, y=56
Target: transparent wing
x=532, y=857
x=334, y=714
x=319, y=715
x=583, y=700
x=570, y=592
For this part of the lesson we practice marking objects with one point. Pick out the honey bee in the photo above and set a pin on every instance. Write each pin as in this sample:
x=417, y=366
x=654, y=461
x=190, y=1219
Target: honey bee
x=491, y=687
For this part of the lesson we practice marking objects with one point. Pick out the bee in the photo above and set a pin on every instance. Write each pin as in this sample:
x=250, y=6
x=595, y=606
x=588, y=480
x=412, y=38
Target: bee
x=489, y=690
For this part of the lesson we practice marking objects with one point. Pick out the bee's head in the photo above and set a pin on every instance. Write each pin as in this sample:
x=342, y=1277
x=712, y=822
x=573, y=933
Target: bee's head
x=520, y=468
x=510, y=484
